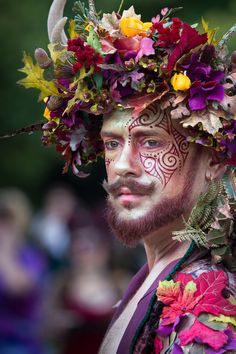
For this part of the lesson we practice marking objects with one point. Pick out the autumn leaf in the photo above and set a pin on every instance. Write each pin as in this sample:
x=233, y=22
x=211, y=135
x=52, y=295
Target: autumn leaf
x=209, y=119
x=209, y=287
x=130, y=13
x=110, y=23
x=35, y=79
x=210, y=33
x=140, y=102
x=202, y=334
x=72, y=29
x=168, y=291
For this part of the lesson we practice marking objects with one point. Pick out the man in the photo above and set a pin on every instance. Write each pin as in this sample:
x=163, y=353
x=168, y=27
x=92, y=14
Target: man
x=158, y=86
x=154, y=180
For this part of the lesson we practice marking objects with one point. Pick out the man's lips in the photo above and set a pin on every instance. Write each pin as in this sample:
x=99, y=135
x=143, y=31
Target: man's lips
x=125, y=195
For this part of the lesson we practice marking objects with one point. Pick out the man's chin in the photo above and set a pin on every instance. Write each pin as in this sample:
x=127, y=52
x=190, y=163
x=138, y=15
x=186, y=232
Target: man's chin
x=130, y=224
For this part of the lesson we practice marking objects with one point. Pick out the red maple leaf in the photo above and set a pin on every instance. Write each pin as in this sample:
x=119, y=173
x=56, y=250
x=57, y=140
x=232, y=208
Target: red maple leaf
x=207, y=296
x=189, y=39
x=209, y=287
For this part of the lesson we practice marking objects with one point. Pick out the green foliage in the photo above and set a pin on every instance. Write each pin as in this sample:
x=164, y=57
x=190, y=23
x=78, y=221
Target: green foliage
x=81, y=16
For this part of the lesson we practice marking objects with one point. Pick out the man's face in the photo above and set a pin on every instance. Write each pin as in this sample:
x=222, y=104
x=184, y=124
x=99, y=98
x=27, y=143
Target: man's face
x=148, y=163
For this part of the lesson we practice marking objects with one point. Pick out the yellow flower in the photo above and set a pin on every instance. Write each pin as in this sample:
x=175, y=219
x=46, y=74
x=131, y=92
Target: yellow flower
x=147, y=25
x=180, y=82
x=131, y=26
x=47, y=113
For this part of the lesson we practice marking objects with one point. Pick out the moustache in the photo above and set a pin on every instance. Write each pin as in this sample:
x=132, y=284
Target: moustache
x=134, y=187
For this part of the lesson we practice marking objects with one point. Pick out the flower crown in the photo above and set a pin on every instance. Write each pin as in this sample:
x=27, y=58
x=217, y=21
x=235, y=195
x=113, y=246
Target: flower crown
x=116, y=61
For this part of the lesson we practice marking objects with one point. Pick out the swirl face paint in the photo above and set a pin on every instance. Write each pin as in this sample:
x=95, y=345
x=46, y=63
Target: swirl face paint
x=164, y=161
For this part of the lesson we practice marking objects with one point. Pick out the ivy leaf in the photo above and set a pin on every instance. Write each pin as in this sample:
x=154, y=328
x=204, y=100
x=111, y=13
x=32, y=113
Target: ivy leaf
x=35, y=79
x=209, y=119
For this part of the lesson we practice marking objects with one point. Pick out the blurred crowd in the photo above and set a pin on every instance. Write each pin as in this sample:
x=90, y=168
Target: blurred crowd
x=61, y=273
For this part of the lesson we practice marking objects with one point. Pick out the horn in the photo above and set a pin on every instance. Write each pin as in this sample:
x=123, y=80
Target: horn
x=56, y=22
x=58, y=35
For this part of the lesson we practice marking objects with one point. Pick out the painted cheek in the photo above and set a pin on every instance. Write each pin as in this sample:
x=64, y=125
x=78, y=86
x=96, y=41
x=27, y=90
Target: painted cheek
x=162, y=165
x=166, y=161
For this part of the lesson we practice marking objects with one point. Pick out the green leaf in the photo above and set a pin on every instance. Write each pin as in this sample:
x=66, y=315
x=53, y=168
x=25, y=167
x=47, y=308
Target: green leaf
x=93, y=40
x=98, y=80
x=224, y=319
x=205, y=319
x=35, y=79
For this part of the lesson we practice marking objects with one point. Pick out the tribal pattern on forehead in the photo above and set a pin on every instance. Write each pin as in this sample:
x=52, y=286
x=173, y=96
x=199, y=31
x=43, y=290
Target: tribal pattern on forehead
x=166, y=161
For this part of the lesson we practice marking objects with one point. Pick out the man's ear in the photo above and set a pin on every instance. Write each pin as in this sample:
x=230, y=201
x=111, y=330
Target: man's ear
x=215, y=168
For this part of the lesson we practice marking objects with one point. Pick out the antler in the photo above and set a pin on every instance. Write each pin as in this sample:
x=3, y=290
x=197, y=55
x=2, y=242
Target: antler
x=56, y=23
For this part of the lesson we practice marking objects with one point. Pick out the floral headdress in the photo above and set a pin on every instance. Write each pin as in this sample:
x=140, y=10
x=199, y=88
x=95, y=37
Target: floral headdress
x=116, y=61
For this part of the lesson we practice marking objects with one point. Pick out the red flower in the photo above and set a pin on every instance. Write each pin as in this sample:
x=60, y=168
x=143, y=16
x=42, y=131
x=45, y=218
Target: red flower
x=189, y=39
x=168, y=35
x=85, y=55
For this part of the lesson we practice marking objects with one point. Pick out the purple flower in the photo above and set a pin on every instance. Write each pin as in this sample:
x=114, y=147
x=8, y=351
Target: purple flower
x=206, y=82
x=165, y=331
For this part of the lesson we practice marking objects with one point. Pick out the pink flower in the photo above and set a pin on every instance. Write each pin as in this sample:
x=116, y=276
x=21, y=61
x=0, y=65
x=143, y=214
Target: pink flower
x=146, y=48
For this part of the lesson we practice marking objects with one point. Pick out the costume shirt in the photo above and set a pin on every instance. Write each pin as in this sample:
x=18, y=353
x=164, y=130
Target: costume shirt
x=198, y=312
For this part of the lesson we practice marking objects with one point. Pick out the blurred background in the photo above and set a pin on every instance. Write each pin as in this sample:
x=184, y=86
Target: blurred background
x=61, y=270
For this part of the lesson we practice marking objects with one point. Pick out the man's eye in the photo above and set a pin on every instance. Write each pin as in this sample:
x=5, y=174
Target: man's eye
x=152, y=143
x=111, y=145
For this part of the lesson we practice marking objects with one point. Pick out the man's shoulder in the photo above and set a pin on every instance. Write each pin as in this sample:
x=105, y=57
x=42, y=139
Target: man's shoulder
x=199, y=309
x=204, y=268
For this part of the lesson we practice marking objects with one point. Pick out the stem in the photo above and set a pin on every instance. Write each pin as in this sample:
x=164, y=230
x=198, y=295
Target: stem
x=121, y=5
x=92, y=9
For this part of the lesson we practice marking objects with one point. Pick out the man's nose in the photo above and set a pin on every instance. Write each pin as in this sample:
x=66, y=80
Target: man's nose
x=128, y=162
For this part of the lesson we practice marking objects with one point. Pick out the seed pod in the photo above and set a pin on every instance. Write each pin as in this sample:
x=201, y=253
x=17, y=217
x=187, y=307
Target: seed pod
x=54, y=103
x=233, y=60
x=42, y=58
x=233, y=57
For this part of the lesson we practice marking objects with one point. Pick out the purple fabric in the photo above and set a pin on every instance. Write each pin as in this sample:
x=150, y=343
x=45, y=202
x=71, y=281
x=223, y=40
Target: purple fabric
x=142, y=306
x=135, y=283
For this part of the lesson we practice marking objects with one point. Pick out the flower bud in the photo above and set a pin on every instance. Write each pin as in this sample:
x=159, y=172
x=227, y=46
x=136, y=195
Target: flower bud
x=180, y=82
x=131, y=26
x=54, y=103
x=42, y=58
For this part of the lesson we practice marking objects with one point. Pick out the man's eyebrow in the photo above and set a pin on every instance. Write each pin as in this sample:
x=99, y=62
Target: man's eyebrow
x=107, y=133
x=147, y=132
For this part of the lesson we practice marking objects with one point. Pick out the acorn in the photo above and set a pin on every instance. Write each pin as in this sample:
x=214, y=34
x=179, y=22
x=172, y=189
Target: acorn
x=54, y=103
x=42, y=58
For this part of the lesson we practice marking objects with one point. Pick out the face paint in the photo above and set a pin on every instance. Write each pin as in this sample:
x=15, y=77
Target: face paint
x=146, y=151
x=171, y=157
x=108, y=162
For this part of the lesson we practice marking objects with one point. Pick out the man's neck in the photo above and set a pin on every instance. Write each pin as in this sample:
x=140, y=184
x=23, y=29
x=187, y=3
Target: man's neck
x=160, y=247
